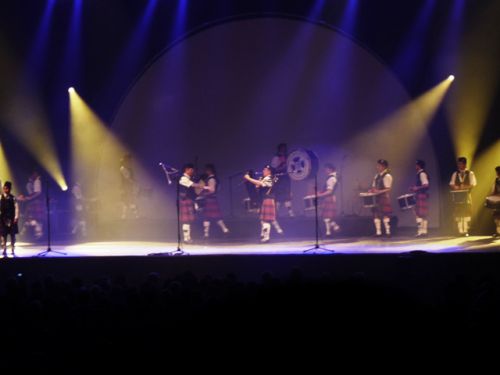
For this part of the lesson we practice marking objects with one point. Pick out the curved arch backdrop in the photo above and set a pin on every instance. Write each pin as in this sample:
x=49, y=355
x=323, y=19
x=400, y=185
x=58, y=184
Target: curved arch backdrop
x=231, y=93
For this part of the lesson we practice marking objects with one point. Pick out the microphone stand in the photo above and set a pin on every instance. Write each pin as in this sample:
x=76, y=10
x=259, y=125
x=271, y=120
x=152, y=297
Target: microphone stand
x=47, y=203
x=178, y=250
x=316, y=221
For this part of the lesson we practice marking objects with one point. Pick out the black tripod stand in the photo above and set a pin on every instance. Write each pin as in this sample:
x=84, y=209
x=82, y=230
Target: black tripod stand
x=178, y=250
x=47, y=204
x=316, y=223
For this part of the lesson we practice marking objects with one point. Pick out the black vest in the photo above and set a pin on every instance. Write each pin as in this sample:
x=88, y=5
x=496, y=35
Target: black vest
x=466, y=178
x=379, y=181
x=8, y=207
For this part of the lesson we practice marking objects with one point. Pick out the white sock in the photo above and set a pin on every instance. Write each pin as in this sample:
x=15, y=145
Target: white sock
x=222, y=226
x=460, y=225
x=335, y=226
x=497, y=222
x=420, y=226
x=276, y=226
x=206, y=229
x=387, y=225
x=328, y=226
x=378, y=226
x=425, y=224
x=186, y=231
x=467, y=221
x=266, y=231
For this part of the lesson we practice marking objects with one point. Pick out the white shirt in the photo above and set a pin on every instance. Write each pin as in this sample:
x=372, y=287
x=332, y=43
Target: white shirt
x=211, y=184
x=267, y=181
x=472, y=178
x=424, y=179
x=331, y=181
x=186, y=181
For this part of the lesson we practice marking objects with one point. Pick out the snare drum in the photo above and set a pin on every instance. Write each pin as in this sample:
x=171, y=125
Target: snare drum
x=369, y=200
x=493, y=202
x=459, y=196
x=309, y=202
x=199, y=203
x=407, y=201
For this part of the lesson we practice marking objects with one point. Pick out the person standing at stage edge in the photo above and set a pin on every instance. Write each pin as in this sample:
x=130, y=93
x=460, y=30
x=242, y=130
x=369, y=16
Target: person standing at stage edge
x=329, y=202
x=283, y=186
x=382, y=185
x=9, y=216
x=128, y=188
x=34, y=211
x=463, y=179
x=421, y=190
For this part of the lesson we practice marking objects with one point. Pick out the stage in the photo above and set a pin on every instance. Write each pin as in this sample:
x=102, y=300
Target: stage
x=363, y=245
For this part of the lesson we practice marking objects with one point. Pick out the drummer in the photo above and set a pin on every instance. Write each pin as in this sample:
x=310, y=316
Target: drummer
x=463, y=179
x=496, y=191
x=421, y=190
x=381, y=185
x=328, y=205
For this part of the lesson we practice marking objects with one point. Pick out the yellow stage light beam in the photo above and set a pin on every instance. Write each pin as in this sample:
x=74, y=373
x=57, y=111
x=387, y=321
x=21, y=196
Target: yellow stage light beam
x=484, y=169
x=473, y=95
x=5, y=171
x=24, y=118
x=406, y=127
x=96, y=154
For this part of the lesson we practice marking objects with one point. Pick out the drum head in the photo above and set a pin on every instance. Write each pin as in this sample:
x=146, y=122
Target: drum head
x=301, y=164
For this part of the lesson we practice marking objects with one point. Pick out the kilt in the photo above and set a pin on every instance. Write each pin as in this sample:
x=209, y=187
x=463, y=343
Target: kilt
x=462, y=210
x=422, y=205
x=268, y=210
x=384, y=207
x=6, y=227
x=35, y=210
x=186, y=211
x=212, y=211
x=328, y=208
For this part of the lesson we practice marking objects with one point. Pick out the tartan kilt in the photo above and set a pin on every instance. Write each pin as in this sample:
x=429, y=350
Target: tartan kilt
x=212, y=210
x=35, y=210
x=186, y=211
x=328, y=208
x=268, y=210
x=462, y=210
x=422, y=205
x=384, y=207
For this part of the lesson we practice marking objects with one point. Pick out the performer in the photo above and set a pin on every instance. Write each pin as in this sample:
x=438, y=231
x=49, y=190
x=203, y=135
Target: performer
x=9, y=216
x=421, y=190
x=80, y=220
x=329, y=202
x=34, y=210
x=268, y=208
x=382, y=184
x=128, y=188
x=463, y=179
x=211, y=210
x=186, y=198
x=496, y=212
x=283, y=188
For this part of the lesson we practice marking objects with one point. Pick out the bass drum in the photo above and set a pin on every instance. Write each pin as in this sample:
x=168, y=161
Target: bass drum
x=301, y=164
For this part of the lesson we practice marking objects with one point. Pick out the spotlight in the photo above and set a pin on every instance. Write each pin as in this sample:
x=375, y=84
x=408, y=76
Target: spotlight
x=451, y=77
x=64, y=187
x=71, y=90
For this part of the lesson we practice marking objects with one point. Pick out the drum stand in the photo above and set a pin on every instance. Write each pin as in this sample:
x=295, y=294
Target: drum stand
x=316, y=246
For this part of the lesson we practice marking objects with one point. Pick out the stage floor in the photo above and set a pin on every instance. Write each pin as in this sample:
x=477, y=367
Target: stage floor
x=364, y=245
